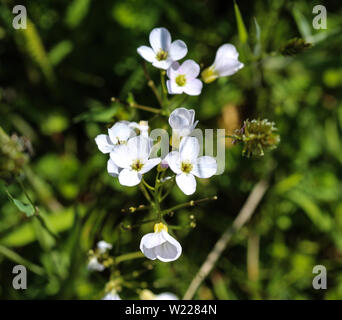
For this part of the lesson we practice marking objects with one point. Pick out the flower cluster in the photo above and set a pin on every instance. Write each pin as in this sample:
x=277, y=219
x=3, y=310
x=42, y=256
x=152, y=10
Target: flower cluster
x=130, y=160
x=183, y=78
x=133, y=152
x=130, y=153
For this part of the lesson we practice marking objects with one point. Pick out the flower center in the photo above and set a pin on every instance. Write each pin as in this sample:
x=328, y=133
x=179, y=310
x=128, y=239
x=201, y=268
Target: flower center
x=137, y=165
x=186, y=167
x=181, y=80
x=120, y=141
x=158, y=227
x=209, y=75
x=161, y=55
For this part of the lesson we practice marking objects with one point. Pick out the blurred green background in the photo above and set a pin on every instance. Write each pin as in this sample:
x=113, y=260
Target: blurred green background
x=57, y=78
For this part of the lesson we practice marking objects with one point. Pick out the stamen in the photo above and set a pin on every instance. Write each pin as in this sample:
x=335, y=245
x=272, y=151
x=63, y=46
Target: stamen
x=162, y=55
x=186, y=167
x=181, y=80
x=137, y=165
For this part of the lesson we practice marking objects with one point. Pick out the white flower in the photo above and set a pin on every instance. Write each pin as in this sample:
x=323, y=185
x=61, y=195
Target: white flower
x=160, y=245
x=186, y=164
x=112, y=295
x=183, y=78
x=134, y=159
x=182, y=122
x=142, y=126
x=166, y=296
x=163, y=52
x=95, y=265
x=118, y=134
x=103, y=246
x=226, y=64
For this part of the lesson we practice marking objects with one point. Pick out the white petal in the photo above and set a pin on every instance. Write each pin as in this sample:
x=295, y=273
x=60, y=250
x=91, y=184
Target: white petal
x=112, y=168
x=149, y=164
x=190, y=68
x=186, y=182
x=139, y=147
x=181, y=118
x=189, y=149
x=193, y=87
x=226, y=61
x=103, y=246
x=111, y=296
x=169, y=250
x=147, y=53
x=163, y=64
x=120, y=132
x=121, y=156
x=178, y=50
x=94, y=264
x=166, y=296
x=147, y=244
x=173, y=88
x=204, y=167
x=172, y=72
x=104, y=144
x=129, y=178
x=173, y=160
x=152, y=240
x=160, y=39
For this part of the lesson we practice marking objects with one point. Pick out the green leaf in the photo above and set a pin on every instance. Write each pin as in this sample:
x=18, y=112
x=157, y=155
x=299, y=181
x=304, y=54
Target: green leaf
x=26, y=208
x=321, y=220
x=302, y=24
x=60, y=51
x=76, y=12
x=243, y=35
x=257, y=46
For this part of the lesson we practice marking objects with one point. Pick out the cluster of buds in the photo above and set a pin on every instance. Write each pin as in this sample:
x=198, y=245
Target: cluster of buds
x=257, y=136
x=12, y=156
x=294, y=46
x=99, y=259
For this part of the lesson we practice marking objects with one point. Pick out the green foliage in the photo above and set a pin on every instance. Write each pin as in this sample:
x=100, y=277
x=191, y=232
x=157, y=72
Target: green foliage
x=76, y=12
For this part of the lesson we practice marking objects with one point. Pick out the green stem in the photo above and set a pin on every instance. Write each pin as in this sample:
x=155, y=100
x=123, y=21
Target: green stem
x=169, y=190
x=145, y=192
x=188, y=204
x=147, y=185
x=151, y=84
x=129, y=256
x=18, y=259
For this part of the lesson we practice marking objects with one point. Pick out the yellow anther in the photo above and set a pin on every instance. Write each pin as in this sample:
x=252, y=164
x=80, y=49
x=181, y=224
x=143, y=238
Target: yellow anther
x=158, y=227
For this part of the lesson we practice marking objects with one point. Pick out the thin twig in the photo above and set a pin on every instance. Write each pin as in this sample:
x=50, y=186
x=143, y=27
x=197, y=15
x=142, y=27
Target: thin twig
x=139, y=208
x=244, y=215
x=151, y=84
x=187, y=204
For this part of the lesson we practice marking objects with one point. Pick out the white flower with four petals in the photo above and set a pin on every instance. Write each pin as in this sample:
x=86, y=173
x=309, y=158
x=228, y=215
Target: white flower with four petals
x=162, y=51
x=186, y=164
x=183, y=78
x=133, y=158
